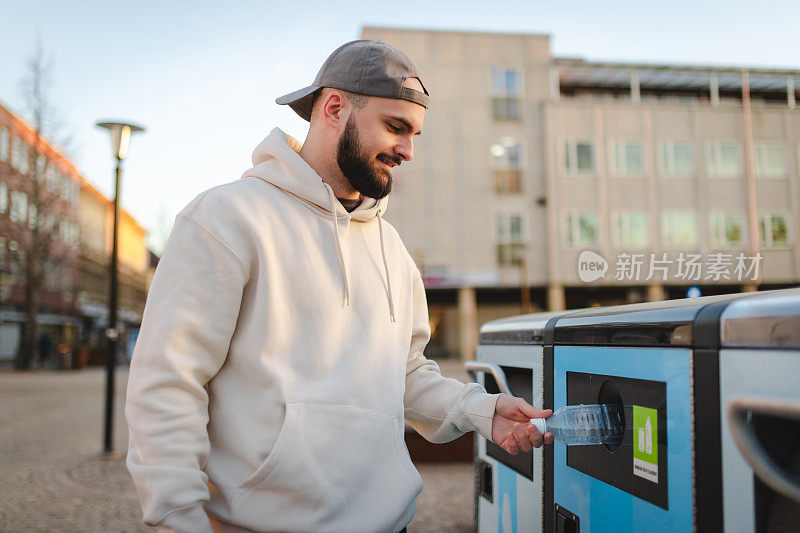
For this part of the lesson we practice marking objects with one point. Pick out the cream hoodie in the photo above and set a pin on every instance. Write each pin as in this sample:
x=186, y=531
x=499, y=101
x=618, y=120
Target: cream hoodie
x=279, y=353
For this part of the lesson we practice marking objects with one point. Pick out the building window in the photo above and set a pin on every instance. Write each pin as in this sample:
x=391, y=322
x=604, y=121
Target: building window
x=3, y=197
x=19, y=155
x=627, y=158
x=774, y=229
x=14, y=160
x=66, y=186
x=582, y=229
x=770, y=160
x=507, y=165
x=74, y=234
x=17, y=256
x=41, y=165
x=578, y=157
x=49, y=222
x=65, y=231
x=511, y=238
x=4, y=142
x=19, y=207
x=631, y=230
x=33, y=214
x=726, y=230
x=506, y=92
x=724, y=159
x=676, y=158
x=49, y=177
x=679, y=229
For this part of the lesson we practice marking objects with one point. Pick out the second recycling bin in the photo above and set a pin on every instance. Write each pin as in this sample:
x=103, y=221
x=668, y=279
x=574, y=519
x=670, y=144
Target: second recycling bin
x=712, y=394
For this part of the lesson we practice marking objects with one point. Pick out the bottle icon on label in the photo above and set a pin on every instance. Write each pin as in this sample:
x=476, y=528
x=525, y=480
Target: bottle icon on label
x=648, y=436
x=640, y=440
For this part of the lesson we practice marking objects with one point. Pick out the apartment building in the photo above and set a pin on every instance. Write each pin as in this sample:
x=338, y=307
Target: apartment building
x=550, y=183
x=39, y=185
x=38, y=196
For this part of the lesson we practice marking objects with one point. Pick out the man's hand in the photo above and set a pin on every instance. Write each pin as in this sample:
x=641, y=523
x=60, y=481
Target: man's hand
x=511, y=427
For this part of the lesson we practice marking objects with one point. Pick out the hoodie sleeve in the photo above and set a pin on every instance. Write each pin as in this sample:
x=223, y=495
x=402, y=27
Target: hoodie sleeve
x=190, y=316
x=440, y=409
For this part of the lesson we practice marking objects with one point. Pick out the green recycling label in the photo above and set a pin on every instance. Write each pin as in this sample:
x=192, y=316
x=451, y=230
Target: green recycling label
x=645, y=443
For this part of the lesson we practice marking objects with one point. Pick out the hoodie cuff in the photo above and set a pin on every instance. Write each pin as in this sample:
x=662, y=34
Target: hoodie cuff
x=191, y=520
x=479, y=408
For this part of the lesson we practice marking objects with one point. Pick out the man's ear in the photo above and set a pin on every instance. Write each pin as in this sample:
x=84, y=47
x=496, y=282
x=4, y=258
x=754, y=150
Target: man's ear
x=335, y=110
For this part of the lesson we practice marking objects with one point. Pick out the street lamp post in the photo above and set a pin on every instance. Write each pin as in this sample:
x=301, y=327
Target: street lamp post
x=120, y=139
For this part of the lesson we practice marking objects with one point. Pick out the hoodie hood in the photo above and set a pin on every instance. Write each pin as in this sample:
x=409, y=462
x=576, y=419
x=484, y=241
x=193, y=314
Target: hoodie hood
x=276, y=161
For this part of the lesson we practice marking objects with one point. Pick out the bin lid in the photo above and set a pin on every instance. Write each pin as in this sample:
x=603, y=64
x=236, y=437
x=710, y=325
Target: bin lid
x=766, y=320
x=753, y=319
x=664, y=323
x=523, y=329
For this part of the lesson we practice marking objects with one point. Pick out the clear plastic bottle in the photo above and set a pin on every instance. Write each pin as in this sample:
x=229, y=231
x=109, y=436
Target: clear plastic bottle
x=585, y=424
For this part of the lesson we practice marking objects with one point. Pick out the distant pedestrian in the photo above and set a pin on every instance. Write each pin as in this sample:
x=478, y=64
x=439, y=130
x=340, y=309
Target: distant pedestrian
x=64, y=353
x=281, y=347
x=44, y=348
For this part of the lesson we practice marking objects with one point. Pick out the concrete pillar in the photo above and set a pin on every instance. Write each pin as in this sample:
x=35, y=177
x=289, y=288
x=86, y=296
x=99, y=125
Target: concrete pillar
x=636, y=93
x=556, y=301
x=467, y=323
x=714, y=88
x=750, y=174
x=656, y=293
x=791, y=100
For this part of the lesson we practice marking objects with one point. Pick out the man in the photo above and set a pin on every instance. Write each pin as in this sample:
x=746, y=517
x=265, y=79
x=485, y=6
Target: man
x=281, y=345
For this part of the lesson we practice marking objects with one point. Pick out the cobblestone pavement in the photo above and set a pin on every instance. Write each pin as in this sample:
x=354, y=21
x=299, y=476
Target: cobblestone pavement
x=54, y=478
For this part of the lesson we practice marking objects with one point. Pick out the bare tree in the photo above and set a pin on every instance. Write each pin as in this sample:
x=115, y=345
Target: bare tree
x=39, y=230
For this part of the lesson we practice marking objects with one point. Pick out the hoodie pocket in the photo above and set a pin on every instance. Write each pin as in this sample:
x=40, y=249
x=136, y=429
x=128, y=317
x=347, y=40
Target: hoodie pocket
x=333, y=468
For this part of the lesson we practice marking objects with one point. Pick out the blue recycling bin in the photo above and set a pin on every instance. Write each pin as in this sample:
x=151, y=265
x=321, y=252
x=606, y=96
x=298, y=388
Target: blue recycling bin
x=711, y=389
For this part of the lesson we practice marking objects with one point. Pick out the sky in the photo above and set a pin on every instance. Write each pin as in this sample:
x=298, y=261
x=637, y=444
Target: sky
x=202, y=77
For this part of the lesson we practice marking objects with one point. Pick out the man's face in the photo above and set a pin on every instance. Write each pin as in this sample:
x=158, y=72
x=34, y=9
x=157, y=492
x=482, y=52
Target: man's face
x=377, y=137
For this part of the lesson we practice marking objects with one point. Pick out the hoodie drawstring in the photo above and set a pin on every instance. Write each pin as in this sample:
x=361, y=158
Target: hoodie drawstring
x=341, y=256
x=386, y=268
x=339, y=246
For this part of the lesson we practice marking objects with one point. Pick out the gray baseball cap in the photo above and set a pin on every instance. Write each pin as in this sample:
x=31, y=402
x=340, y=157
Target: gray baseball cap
x=368, y=67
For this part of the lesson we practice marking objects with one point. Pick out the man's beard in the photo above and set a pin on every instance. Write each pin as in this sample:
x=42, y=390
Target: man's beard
x=359, y=169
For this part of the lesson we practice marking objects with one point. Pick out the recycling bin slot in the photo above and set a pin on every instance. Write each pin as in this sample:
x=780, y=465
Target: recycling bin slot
x=485, y=480
x=520, y=382
x=638, y=465
x=780, y=439
x=609, y=395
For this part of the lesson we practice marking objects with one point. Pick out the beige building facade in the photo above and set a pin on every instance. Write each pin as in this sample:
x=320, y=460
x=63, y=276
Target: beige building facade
x=553, y=183
x=96, y=218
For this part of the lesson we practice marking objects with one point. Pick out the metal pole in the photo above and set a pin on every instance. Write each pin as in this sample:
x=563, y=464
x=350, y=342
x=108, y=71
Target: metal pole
x=111, y=330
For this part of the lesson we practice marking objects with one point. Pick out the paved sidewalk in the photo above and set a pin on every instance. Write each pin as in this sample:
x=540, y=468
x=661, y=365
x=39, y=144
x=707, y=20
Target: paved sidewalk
x=53, y=475
x=55, y=479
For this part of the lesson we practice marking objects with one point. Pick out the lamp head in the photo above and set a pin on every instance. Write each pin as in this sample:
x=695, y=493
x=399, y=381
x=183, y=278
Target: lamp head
x=120, y=136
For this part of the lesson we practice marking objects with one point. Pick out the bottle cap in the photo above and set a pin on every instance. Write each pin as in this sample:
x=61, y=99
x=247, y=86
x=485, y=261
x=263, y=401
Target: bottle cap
x=541, y=424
